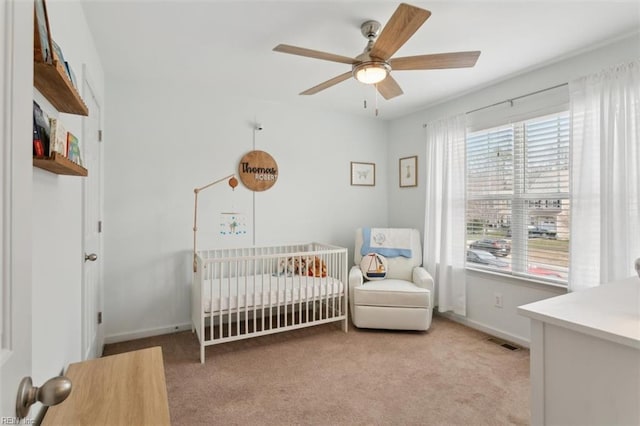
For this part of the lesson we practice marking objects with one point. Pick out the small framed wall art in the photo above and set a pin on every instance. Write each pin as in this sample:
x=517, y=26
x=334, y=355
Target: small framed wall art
x=363, y=174
x=408, y=169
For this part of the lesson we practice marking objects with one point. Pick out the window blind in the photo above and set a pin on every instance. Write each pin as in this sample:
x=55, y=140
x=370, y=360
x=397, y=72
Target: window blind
x=518, y=198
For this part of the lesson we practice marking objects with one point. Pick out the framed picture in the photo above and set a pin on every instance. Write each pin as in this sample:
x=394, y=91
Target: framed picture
x=363, y=174
x=408, y=169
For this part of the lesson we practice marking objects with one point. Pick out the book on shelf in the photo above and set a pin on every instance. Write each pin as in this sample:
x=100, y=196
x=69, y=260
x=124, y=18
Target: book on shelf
x=58, y=137
x=41, y=126
x=38, y=146
x=73, y=150
x=42, y=39
x=72, y=75
x=58, y=56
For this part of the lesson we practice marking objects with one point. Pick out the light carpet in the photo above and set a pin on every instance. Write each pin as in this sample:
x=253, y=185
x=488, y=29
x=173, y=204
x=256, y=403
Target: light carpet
x=449, y=375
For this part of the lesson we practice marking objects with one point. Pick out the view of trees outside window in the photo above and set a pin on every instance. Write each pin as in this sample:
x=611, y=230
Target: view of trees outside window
x=518, y=198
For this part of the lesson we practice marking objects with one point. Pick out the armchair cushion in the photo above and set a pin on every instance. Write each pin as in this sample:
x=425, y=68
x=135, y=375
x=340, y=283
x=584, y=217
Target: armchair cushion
x=391, y=293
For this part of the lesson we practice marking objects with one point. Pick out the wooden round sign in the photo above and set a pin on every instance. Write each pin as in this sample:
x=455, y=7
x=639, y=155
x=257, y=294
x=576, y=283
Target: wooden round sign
x=258, y=171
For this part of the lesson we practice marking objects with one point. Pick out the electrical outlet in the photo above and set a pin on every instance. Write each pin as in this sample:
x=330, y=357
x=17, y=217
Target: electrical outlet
x=497, y=297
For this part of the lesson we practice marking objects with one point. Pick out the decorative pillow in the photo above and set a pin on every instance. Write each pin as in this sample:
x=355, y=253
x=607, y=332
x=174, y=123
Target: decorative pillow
x=374, y=266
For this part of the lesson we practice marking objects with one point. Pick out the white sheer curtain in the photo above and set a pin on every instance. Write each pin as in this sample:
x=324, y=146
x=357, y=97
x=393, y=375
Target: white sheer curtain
x=444, y=227
x=605, y=191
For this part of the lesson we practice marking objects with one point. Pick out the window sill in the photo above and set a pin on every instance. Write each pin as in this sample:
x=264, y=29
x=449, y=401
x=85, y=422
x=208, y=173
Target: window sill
x=517, y=279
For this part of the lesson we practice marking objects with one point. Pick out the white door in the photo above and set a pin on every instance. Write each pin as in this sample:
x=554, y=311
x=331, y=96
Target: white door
x=92, y=328
x=16, y=126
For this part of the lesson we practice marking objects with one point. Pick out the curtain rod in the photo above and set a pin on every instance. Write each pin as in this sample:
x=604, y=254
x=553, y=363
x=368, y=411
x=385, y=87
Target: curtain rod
x=517, y=98
x=512, y=99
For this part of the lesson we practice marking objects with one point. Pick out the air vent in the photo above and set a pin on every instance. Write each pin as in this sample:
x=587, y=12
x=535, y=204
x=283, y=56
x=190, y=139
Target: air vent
x=504, y=344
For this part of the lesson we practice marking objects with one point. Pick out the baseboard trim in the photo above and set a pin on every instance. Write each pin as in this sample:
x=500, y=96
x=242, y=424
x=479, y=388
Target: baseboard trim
x=149, y=332
x=486, y=329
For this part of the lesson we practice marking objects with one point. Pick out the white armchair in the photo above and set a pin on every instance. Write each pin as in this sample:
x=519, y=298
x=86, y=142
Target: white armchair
x=401, y=301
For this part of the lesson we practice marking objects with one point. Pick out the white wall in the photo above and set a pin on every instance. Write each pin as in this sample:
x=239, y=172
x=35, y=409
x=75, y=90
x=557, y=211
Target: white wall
x=57, y=217
x=407, y=205
x=165, y=139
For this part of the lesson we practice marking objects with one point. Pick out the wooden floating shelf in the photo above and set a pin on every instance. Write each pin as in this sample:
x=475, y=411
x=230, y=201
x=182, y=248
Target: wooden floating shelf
x=59, y=164
x=52, y=81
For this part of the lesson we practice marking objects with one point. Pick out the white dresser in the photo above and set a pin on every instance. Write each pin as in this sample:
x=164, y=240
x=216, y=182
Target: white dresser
x=585, y=356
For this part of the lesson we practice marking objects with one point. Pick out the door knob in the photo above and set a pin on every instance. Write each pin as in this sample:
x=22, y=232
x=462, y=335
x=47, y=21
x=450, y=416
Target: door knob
x=92, y=257
x=53, y=392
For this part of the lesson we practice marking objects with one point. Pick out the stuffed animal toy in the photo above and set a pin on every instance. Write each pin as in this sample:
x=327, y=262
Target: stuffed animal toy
x=287, y=266
x=316, y=267
x=302, y=266
x=299, y=265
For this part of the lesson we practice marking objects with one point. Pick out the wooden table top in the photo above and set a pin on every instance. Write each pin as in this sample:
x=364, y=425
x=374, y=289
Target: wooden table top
x=123, y=389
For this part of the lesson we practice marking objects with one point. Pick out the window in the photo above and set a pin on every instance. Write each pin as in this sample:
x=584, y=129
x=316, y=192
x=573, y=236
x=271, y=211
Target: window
x=518, y=198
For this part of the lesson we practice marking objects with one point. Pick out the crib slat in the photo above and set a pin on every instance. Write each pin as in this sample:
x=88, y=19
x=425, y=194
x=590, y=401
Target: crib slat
x=229, y=306
x=220, y=301
x=326, y=302
x=242, y=309
x=334, y=290
x=246, y=296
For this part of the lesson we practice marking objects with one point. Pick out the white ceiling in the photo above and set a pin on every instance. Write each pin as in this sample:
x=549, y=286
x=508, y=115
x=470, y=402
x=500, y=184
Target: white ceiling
x=226, y=46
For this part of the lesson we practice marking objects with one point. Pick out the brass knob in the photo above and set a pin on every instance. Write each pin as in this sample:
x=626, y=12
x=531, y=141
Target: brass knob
x=53, y=392
x=92, y=257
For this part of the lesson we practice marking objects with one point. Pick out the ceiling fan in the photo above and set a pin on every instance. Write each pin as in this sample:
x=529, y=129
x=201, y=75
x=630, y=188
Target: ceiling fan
x=374, y=65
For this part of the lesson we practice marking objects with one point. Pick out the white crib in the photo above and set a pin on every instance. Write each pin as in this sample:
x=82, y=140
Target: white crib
x=240, y=293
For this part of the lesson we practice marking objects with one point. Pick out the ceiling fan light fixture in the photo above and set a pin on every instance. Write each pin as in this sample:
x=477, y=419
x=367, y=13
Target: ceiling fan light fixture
x=371, y=72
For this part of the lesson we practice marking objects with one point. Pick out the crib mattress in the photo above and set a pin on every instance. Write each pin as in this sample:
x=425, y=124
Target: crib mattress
x=263, y=291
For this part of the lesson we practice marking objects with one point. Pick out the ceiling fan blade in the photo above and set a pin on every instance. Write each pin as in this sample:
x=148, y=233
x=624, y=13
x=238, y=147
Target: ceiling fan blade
x=389, y=88
x=436, y=61
x=301, y=51
x=404, y=22
x=328, y=83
